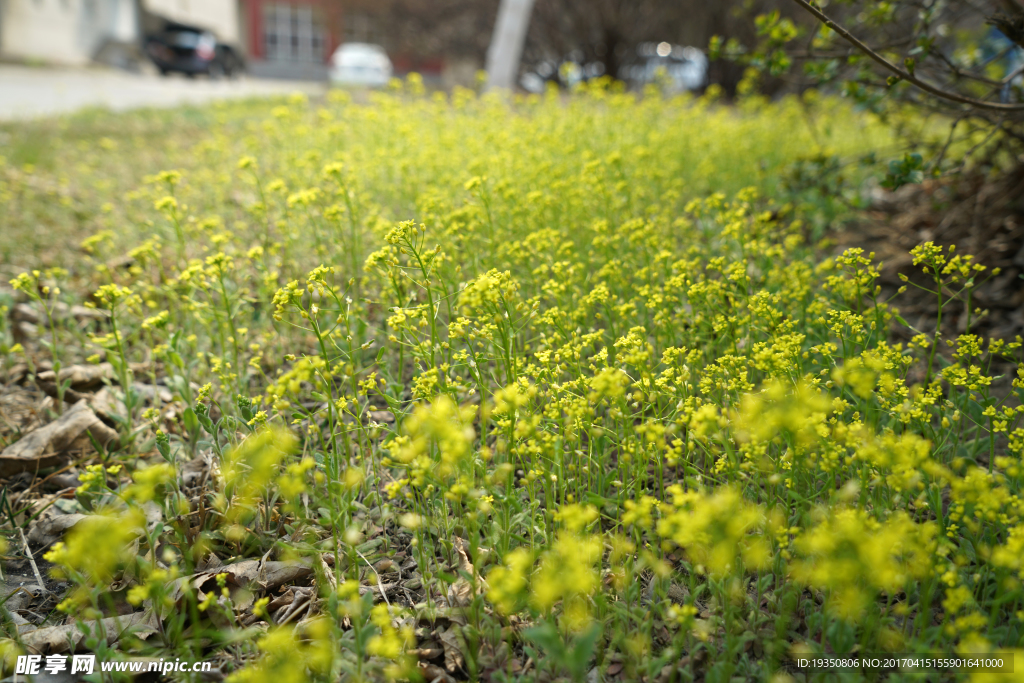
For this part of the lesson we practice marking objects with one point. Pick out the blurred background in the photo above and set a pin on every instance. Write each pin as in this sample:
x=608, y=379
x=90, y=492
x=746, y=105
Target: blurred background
x=58, y=54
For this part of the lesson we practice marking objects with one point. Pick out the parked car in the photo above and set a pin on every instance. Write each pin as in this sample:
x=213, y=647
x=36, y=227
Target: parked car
x=191, y=51
x=674, y=67
x=567, y=72
x=678, y=68
x=361, y=64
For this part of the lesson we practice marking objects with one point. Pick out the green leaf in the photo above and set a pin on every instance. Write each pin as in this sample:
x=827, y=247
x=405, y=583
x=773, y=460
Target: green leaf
x=583, y=650
x=547, y=638
x=207, y=423
x=191, y=421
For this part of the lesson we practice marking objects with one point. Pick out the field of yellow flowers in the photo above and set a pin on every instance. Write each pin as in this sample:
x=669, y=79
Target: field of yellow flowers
x=453, y=388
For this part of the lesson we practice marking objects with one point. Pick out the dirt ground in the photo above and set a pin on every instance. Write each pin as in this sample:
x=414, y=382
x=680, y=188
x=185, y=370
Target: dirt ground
x=981, y=216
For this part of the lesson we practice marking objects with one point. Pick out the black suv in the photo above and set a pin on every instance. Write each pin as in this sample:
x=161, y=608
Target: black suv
x=191, y=50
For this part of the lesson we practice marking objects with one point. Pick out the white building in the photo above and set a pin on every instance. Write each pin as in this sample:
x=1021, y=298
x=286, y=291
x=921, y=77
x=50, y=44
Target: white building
x=77, y=32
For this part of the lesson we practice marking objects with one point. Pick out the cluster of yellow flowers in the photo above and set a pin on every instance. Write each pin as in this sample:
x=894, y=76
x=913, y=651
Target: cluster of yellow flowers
x=602, y=352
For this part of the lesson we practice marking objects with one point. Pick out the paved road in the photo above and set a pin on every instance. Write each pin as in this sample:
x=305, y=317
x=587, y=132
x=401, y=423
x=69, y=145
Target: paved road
x=28, y=92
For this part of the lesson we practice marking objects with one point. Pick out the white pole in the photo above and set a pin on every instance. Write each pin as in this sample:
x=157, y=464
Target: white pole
x=506, y=47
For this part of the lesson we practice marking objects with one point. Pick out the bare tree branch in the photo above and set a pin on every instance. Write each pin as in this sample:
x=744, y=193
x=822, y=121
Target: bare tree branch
x=902, y=73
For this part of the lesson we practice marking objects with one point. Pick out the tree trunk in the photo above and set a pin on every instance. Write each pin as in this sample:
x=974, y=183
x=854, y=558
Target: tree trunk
x=612, y=57
x=506, y=47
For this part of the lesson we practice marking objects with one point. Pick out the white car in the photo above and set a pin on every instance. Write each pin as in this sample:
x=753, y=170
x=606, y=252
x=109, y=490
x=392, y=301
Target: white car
x=360, y=64
x=680, y=69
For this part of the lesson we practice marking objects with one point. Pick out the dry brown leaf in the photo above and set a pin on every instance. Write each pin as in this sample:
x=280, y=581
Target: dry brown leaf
x=70, y=395
x=462, y=554
x=325, y=574
x=453, y=645
x=675, y=592
x=194, y=472
x=281, y=601
x=434, y=674
x=58, y=639
x=109, y=400
x=268, y=575
x=209, y=562
x=54, y=524
x=248, y=574
x=48, y=446
x=83, y=377
x=25, y=313
x=51, y=526
x=302, y=598
x=23, y=596
x=461, y=592
x=17, y=372
x=29, y=314
x=60, y=481
x=152, y=393
x=23, y=332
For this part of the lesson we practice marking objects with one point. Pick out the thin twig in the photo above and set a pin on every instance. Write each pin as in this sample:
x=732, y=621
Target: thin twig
x=949, y=141
x=295, y=611
x=1013, y=74
x=380, y=584
x=988, y=138
x=401, y=582
x=32, y=561
x=903, y=74
x=960, y=73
